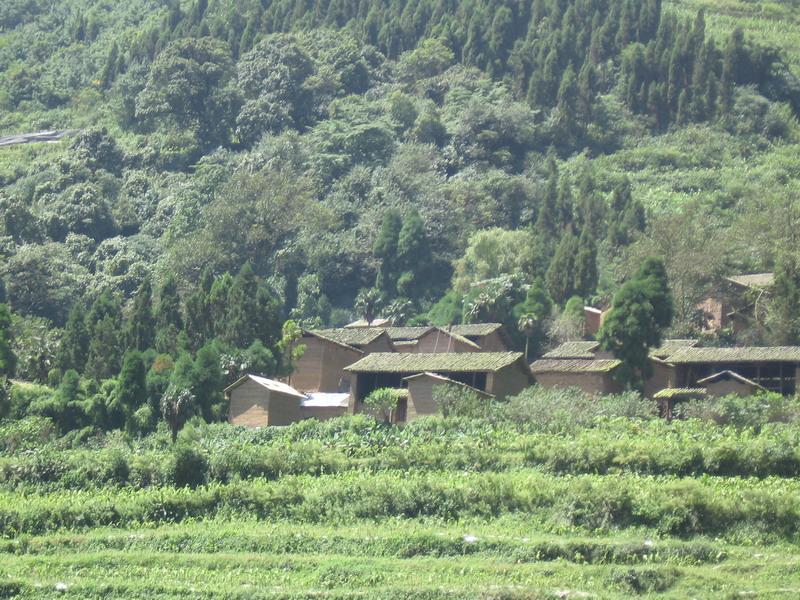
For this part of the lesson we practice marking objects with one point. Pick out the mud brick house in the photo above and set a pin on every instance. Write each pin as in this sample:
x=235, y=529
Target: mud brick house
x=773, y=368
x=583, y=364
x=328, y=351
x=500, y=374
x=737, y=303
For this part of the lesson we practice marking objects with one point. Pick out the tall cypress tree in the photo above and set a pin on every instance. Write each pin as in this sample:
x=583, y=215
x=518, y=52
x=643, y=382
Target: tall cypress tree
x=74, y=347
x=131, y=391
x=207, y=383
x=199, y=320
x=8, y=360
x=586, y=265
x=141, y=325
x=560, y=276
x=642, y=310
x=104, y=323
x=385, y=250
x=413, y=255
x=218, y=304
x=242, y=317
x=565, y=204
x=169, y=322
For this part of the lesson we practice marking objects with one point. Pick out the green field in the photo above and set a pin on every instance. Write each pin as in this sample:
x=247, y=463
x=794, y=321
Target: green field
x=610, y=504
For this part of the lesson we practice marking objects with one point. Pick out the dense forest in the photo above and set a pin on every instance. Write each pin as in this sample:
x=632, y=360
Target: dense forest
x=238, y=165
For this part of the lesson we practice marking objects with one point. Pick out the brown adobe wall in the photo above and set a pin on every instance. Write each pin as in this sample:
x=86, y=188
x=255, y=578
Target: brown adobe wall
x=249, y=405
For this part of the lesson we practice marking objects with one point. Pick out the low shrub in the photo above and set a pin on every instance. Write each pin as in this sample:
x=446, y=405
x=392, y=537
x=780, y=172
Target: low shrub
x=189, y=466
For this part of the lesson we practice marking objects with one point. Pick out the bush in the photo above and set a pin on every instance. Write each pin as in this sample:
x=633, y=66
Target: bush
x=560, y=410
x=189, y=466
x=22, y=395
x=744, y=411
x=459, y=401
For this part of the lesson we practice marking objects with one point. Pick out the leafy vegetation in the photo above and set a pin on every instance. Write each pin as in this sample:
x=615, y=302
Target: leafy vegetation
x=240, y=170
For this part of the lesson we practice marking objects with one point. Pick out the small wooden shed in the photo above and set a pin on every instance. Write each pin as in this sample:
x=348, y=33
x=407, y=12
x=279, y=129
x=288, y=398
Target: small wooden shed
x=421, y=401
x=259, y=402
x=726, y=383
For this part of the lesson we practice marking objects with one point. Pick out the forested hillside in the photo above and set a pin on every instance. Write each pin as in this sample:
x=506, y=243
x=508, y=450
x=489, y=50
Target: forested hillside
x=243, y=163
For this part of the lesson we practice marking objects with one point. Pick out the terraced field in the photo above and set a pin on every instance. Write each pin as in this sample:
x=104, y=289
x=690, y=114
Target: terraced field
x=609, y=507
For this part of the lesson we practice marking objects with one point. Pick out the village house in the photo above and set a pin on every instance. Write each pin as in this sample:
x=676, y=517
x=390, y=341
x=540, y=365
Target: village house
x=774, y=368
x=500, y=374
x=737, y=304
x=260, y=402
x=679, y=368
x=328, y=351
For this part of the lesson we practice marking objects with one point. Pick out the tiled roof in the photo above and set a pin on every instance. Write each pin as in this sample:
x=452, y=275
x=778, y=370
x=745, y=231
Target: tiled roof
x=668, y=347
x=361, y=336
x=270, y=384
x=736, y=355
x=669, y=393
x=576, y=365
x=407, y=333
x=755, y=280
x=357, y=336
x=574, y=350
x=475, y=329
x=445, y=362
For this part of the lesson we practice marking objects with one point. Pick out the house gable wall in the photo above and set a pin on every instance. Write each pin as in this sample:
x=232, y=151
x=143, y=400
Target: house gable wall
x=508, y=381
x=249, y=405
x=492, y=343
x=725, y=387
x=321, y=368
x=591, y=383
x=436, y=341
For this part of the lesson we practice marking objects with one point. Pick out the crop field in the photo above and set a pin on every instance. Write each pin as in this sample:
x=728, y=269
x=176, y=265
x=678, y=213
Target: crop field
x=556, y=505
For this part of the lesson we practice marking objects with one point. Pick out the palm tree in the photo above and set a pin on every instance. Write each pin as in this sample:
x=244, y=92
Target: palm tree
x=527, y=325
x=368, y=303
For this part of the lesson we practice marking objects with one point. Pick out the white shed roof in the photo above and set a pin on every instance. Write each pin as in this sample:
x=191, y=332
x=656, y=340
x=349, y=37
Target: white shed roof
x=270, y=384
x=325, y=400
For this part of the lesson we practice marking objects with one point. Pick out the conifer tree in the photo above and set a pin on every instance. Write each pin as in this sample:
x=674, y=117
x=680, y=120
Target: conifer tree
x=110, y=68
x=8, y=361
x=207, y=383
x=564, y=204
x=218, y=304
x=385, y=250
x=74, y=347
x=586, y=265
x=131, y=391
x=141, y=325
x=413, y=255
x=199, y=320
x=104, y=323
x=560, y=276
x=642, y=309
x=169, y=322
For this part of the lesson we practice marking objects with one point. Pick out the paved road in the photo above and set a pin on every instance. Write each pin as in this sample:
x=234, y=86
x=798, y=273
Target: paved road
x=39, y=136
